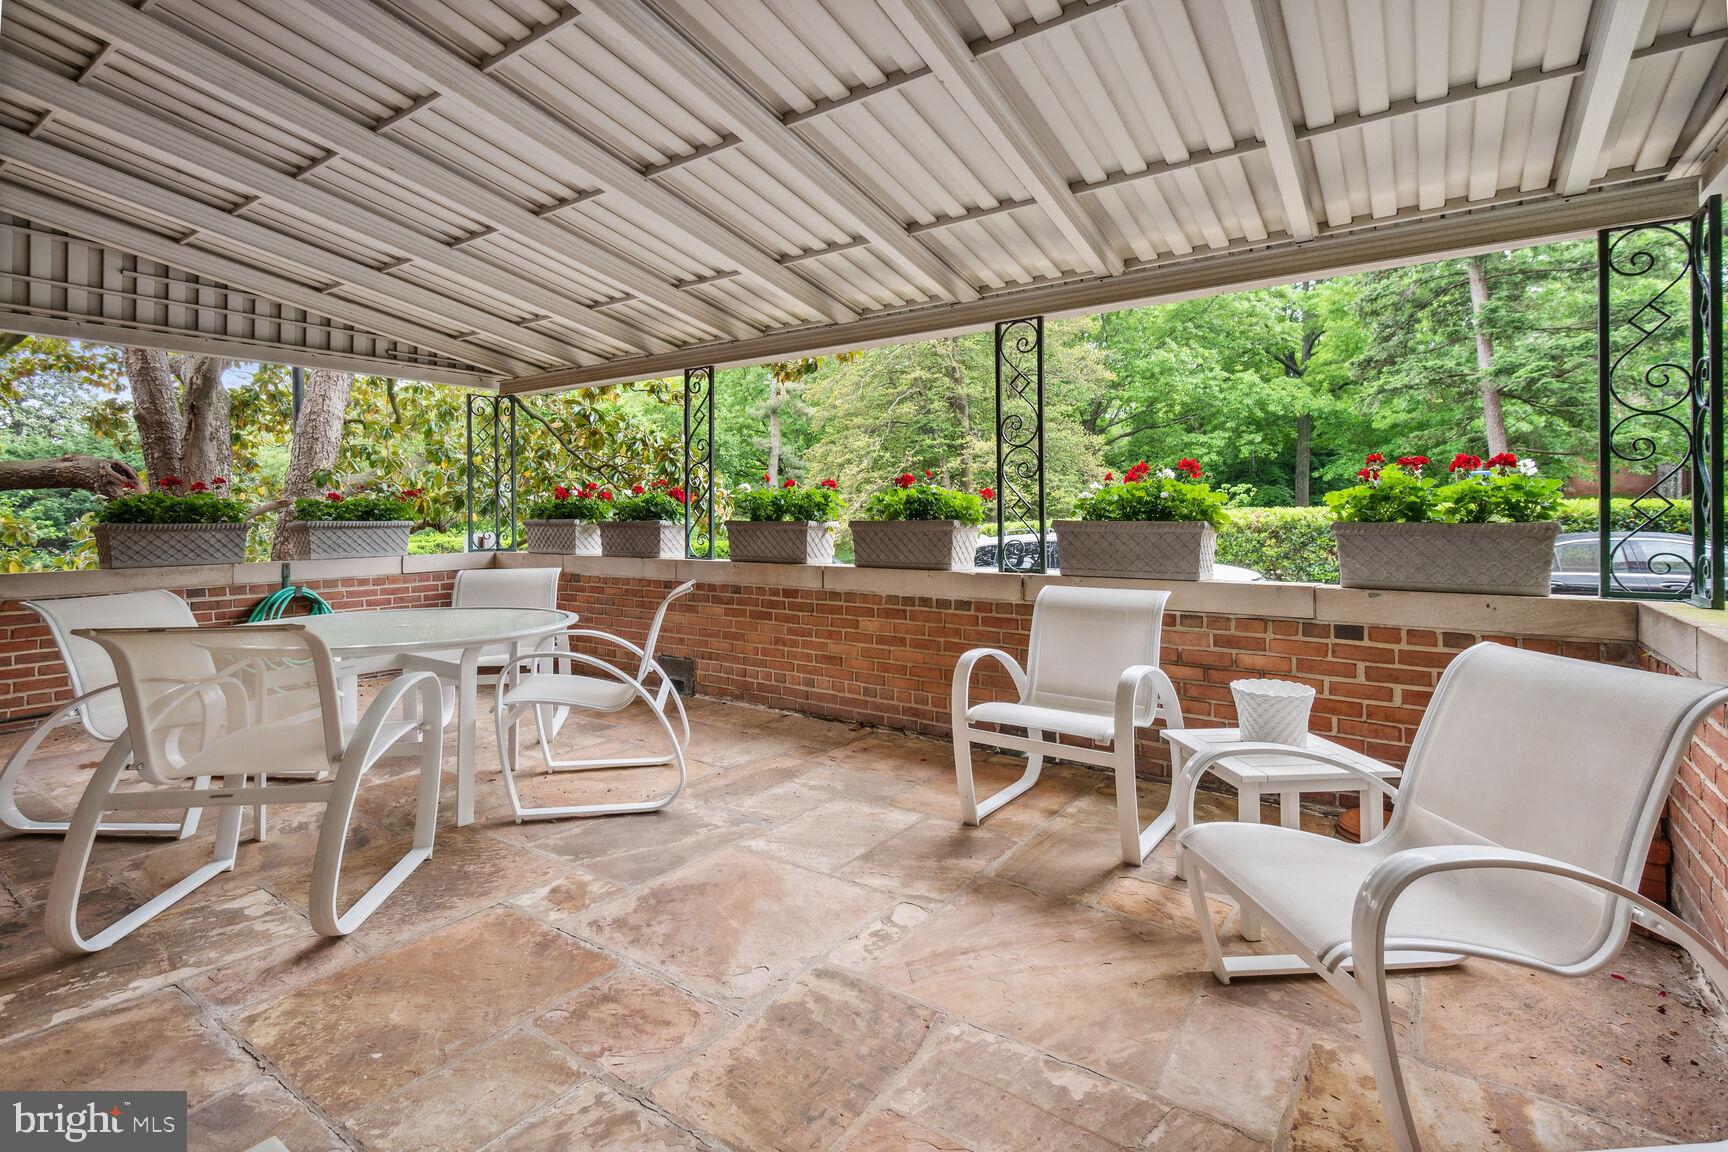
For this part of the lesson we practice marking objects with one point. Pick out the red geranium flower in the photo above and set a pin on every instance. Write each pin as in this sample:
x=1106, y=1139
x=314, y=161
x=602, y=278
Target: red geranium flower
x=905, y=480
x=637, y=489
x=218, y=481
x=333, y=497
x=1503, y=460
x=1137, y=473
x=987, y=492
x=169, y=482
x=1464, y=462
x=831, y=485
x=788, y=483
x=607, y=496
x=129, y=486
x=1190, y=467
x=560, y=493
x=1375, y=458
x=677, y=494
x=928, y=473
x=658, y=484
x=413, y=493
x=1109, y=476
x=1368, y=474
x=767, y=479
x=1412, y=462
x=199, y=486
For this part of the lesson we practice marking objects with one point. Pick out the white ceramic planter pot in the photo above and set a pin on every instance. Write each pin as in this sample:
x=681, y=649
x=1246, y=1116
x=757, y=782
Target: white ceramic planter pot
x=780, y=541
x=931, y=545
x=1142, y=549
x=346, y=539
x=645, y=539
x=1501, y=559
x=169, y=545
x=564, y=537
x=1273, y=711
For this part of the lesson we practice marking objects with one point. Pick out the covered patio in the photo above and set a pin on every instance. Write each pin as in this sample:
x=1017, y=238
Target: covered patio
x=807, y=949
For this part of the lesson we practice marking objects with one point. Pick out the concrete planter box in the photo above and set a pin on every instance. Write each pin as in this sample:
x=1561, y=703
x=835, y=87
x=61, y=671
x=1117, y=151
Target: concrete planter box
x=1501, y=559
x=169, y=545
x=1137, y=549
x=346, y=539
x=780, y=541
x=645, y=539
x=564, y=537
x=930, y=545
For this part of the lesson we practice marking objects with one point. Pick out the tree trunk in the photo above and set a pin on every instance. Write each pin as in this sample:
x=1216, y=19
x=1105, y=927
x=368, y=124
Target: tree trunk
x=1493, y=417
x=776, y=398
x=1304, y=451
x=317, y=440
x=155, y=410
x=207, y=438
x=107, y=478
x=961, y=405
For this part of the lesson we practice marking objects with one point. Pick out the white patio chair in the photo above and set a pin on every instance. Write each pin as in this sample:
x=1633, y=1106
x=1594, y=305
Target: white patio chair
x=227, y=704
x=1530, y=797
x=95, y=702
x=534, y=681
x=1092, y=672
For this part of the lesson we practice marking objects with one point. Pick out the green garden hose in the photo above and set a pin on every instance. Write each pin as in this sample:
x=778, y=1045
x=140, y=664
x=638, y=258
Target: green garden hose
x=274, y=605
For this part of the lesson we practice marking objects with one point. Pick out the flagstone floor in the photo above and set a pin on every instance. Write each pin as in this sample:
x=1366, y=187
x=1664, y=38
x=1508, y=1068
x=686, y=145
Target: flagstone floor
x=806, y=952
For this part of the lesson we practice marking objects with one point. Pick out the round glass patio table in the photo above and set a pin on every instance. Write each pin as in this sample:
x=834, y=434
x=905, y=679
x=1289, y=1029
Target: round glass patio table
x=366, y=641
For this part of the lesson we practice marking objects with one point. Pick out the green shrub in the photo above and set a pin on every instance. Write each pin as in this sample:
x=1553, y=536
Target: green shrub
x=589, y=502
x=429, y=542
x=364, y=506
x=169, y=506
x=1582, y=514
x=1166, y=495
x=819, y=503
x=915, y=499
x=1281, y=543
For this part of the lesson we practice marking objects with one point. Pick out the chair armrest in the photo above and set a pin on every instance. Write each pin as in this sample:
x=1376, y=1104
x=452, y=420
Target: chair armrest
x=377, y=715
x=1163, y=698
x=1380, y=892
x=595, y=634
x=961, y=692
x=1188, y=783
x=611, y=670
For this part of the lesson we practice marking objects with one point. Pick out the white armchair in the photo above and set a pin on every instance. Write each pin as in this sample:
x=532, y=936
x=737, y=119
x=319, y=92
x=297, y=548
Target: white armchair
x=227, y=704
x=95, y=702
x=1092, y=673
x=1530, y=797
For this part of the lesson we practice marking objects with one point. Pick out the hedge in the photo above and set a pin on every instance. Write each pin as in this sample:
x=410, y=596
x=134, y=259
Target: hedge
x=1296, y=543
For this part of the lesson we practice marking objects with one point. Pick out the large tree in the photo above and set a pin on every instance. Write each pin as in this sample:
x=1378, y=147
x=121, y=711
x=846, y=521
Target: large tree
x=181, y=407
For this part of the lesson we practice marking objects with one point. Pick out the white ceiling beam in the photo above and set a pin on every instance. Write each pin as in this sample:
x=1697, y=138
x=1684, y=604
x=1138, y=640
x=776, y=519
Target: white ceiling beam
x=148, y=196
x=568, y=16
x=1026, y=29
x=723, y=144
x=834, y=103
x=1706, y=124
x=935, y=39
x=1593, y=97
x=24, y=80
x=438, y=68
x=765, y=130
x=262, y=94
x=1272, y=112
x=41, y=208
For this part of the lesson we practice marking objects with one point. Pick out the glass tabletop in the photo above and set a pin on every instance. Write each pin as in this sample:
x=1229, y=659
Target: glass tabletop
x=416, y=629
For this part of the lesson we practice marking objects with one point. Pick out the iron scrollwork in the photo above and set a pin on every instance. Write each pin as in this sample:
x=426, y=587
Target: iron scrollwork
x=1020, y=446
x=491, y=473
x=699, y=462
x=1660, y=405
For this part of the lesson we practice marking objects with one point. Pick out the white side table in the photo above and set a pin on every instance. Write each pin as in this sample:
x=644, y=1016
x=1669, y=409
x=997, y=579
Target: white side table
x=1289, y=776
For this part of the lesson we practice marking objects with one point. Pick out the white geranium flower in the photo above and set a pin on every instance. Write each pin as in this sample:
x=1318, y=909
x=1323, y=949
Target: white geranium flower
x=1527, y=466
x=743, y=487
x=1166, y=473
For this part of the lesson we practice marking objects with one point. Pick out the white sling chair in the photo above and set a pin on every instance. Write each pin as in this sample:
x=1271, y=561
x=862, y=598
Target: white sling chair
x=230, y=704
x=534, y=682
x=1527, y=806
x=95, y=701
x=1092, y=672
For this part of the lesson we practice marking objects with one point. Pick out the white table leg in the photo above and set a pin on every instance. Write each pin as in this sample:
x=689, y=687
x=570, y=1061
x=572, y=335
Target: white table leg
x=467, y=725
x=1290, y=808
x=1248, y=811
x=1373, y=813
x=348, y=689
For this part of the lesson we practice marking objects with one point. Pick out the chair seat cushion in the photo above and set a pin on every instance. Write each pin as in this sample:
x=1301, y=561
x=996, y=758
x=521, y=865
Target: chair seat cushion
x=287, y=748
x=595, y=693
x=1089, y=725
x=1308, y=884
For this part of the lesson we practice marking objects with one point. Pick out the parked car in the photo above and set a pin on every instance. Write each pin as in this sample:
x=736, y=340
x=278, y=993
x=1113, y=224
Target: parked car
x=1021, y=546
x=1649, y=562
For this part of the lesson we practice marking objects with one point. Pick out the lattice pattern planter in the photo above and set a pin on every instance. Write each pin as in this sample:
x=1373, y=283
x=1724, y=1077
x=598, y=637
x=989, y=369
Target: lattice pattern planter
x=780, y=541
x=346, y=539
x=930, y=545
x=1137, y=549
x=1502, y=559
x=645, y=539
x=169, y=545
x=564, y=537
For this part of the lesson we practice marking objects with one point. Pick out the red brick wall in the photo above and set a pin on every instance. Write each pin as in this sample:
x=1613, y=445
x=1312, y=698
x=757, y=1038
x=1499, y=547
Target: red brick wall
x=1697, y=826
x=33, y=680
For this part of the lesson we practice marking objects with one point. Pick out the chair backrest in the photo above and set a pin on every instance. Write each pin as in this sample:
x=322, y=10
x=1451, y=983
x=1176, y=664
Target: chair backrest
x=652, y=640
x=506, y=588
x=1082, y=641
x=87, y=665
x=217, y=701
x=1565, y=758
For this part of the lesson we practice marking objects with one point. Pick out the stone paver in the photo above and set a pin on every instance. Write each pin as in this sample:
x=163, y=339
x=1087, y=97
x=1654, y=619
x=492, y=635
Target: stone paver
x=806, y=952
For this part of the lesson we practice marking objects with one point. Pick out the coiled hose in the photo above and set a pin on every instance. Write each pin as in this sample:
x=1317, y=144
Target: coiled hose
x=273, y=606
